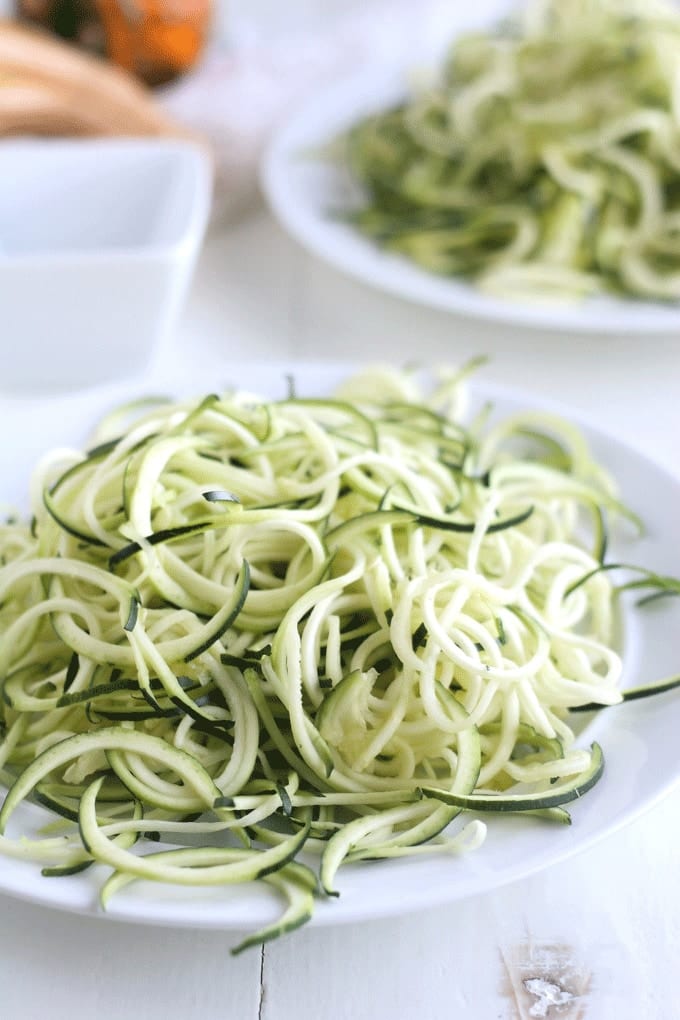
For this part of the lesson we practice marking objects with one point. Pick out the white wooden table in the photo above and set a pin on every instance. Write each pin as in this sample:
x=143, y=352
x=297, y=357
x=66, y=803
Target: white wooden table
x=605, y=924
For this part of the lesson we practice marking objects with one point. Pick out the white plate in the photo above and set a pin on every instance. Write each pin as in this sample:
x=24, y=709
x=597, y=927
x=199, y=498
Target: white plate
x=639, y=739
x=304, y=191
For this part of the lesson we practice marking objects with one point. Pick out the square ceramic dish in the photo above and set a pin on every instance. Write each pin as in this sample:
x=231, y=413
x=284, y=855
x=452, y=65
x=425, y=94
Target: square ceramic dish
x=98, y=241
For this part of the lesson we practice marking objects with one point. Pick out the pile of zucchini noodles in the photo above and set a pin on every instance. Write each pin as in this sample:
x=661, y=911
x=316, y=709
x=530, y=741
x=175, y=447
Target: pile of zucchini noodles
x=251, y=628
x=543, y=161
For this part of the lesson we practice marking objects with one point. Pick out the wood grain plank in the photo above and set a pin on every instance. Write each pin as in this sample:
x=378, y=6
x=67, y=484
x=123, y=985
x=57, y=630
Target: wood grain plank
x=64, y=966
x=602, y=926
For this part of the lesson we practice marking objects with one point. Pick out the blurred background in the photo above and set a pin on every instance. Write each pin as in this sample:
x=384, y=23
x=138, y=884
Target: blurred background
x=224, y=70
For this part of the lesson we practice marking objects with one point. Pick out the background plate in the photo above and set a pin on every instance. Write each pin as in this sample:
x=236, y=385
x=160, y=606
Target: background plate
x=305, y=191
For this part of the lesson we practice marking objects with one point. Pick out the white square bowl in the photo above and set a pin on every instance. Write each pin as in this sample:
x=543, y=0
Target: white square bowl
x=98, y=241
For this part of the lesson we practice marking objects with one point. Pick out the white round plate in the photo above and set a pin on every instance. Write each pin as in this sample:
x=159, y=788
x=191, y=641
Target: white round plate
x=639, y=739
x=309, y=193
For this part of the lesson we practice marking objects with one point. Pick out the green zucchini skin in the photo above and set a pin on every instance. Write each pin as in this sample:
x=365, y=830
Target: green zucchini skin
x=561, y=794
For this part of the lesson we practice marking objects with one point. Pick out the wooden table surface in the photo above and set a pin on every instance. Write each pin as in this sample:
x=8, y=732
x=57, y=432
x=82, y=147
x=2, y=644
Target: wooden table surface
x=596, y=937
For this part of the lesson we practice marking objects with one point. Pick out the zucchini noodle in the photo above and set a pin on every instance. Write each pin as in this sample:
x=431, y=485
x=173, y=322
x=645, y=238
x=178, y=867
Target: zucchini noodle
x=543, y=161
x=256, y=628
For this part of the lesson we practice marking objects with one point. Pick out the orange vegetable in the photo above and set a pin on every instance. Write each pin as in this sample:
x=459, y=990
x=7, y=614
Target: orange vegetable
x=156, y=39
